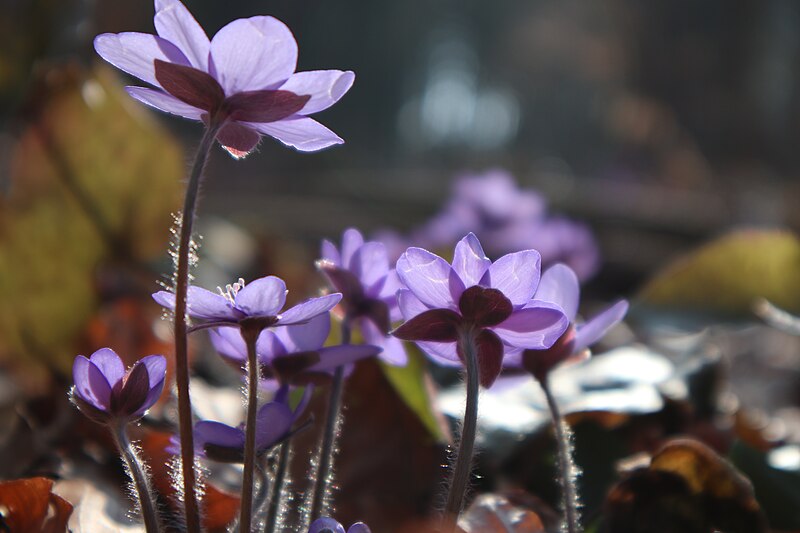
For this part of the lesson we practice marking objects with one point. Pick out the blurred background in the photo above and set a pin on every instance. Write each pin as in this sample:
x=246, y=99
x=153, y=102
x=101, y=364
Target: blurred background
x=631, y=133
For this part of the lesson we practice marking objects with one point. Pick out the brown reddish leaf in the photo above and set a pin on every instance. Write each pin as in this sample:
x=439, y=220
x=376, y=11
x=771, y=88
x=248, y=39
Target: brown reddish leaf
x=484, y=307
x=29, y=506
x=492, y=513
x=195, y=87
x=265, y=106
x=437, y=325
x=687, y=487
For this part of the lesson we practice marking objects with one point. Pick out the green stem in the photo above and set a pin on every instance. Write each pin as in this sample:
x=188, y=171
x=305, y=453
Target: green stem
x=191, y=508
x=323, y=476
x=250, y=336
x=569, y=491
x=140, y=481
x=459, y=482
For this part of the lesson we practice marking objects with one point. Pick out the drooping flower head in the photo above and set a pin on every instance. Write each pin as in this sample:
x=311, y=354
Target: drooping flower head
x=329, y=525
x=493, y=301
x=259, y=302
x=244, y=77
x=105, y=391
x=293, y=354
x=361, y=272
x=560, y=287
x=220, y=442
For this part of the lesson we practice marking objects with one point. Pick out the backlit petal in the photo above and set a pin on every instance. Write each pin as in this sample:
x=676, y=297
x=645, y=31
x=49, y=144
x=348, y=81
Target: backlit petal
x=593, y=330
x=176, y=24
x=516, y=275
x=164, y=102
x=325, y=87
x=559, y=285
x=303, y=133
x=135, y=53
x=262, y=297
x=430, y=278
x=469, y=260
x=308, y=309
x=536, y=327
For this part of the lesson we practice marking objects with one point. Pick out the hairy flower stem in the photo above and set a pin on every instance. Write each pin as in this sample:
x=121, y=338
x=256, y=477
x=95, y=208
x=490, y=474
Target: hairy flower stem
x=459, y=482
x=250, y=336
x=569, y=491
x=140, y=482
x=278, y=486
x=191, y=508
x=323, y=478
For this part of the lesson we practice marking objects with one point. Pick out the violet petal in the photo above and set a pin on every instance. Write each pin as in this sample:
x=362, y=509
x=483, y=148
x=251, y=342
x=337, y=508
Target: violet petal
x=273, y=422
x=202, y=303
x=299, y=132
x=325, y=87
x=517, y=275
x=370, y=264
x=352, y=240
x=536, y=327
x=217, y=433
x=469, y=260
x=559, y=285
x=229, y=343
x=110, y=364
x=326, y=524
x=176, y=24
x=330, y=253
x=134, y=53
x=262, y=297
x=333, y=357
x=90, y=384
x=165, y=102
x=308, y=309
x=253, y=54
x=394, y=353
x=594, y=329
x=305, y=337
x=429, y=277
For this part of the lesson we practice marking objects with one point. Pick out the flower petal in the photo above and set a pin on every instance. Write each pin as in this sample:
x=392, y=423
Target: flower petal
x=308, y=309
x=218, y=434
x=536, y=327
x=394, y=353
x=90, y=383
x=237, y=139
x=202, y=303
x=430, y=278
x=110, y=364
x=594, y=329
x=410, y=305
x=299, y=132
x=469, y=260
x=306, y=337
x=352, y=240
x=370, y=264
x=325, y=87
x=332, y=357
x=135, y=53
x=330, y=253
x=129, y=399
x=326, y=524
x=273, y=422
x=176, y=24
x=443, y=353
x=517, y=275
x=262, y=297
x=359, y=527
x=559, y=285
x=164, y=102
x=157, y=372
x=253, y=54
x=437, y=325
x=229, y=343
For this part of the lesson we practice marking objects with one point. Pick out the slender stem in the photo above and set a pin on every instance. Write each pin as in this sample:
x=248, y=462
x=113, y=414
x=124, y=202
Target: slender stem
x=566, y=466
x=190, y=503
x=459, y=483
x=246, y=511
x=322, y=479
x=277, y=487
x=140, y=481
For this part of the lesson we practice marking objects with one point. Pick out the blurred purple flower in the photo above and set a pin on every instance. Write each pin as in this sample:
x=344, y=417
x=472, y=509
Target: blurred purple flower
x=329, y=525
x=361, y=272
x=259, y=302
x=560, y=287
x=244, y=77
x=105, y=392
x=441, y=302
x=508, y=218
x=293, y=354
x=223, y=443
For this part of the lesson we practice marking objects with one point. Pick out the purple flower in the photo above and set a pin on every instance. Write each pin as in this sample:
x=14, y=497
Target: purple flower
x=560, y=287
x=494, y=300
x=258, y=302
x=223, y=443
x=329, y=525
x=244, y=78
x=361, y=272
x=294, y=354
x=104, y=391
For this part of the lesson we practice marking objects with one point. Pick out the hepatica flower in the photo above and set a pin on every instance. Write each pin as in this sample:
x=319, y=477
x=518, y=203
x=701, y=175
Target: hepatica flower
x=243, y=78
x=329, y=525
x=491, y=301
x=292, y=354
x=361, y=272
x=257, y=303
x=105, y=391
x=559, y=286
x=223, y=443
